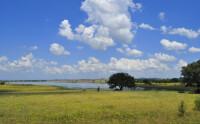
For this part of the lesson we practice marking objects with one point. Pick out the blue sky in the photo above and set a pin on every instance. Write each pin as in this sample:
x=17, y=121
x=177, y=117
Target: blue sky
x=73, y=39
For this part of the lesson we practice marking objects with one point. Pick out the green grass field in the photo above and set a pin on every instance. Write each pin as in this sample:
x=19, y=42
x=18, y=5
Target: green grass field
x=167, y=86
x=54, y=105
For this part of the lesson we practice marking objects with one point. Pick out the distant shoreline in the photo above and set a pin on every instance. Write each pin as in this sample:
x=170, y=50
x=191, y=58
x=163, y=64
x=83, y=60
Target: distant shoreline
x=66, y=80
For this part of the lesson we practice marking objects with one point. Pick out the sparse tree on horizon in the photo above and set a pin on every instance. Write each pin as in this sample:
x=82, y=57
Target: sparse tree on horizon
x=146, y=81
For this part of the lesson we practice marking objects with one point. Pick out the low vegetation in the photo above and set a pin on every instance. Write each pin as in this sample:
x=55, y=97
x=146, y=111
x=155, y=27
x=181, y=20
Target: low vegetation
x=146, y=81
x=2, y=82
x=197, y=103
x=48, y=104
x=182, y=108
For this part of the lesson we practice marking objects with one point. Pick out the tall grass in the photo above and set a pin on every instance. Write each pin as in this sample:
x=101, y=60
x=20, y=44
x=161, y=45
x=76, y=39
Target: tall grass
x=46, y=104
x=197, y=103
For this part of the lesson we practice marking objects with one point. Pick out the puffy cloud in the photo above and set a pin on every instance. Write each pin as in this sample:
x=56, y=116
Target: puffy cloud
x=25, y=61
x=135, y=6
x=93, y=65
x=112, y=14
x=168, y=45
x=146, y=26
x=185, y=32
x=180, y=64
x=65, y=30
x=33, y=48
x=189, y=33
x=57, y=49
x=110, y=20
x=165, y=29
x=164, y=57
x=161, y=16
x=132, y=65
x=3, y=58
x=25, y=64
x=129, y=52
x=194, y=50
x=100, y=40
x=137, y=67
x=120, y=50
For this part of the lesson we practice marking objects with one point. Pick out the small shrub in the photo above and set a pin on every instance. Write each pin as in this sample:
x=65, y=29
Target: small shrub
x=181, y=108
x=2, y=83
x=197, y=103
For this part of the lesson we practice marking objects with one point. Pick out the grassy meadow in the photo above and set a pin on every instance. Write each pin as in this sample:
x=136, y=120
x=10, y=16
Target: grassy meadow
x=49, y=104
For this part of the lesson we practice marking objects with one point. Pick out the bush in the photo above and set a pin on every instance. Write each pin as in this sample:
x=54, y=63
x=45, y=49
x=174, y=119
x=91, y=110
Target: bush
x=197, y=103
x=181, y=108
x=2, y=83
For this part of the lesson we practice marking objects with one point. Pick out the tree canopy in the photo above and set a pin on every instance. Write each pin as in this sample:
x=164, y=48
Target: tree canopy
x=191, y=75
x=121, y=80
x=174, y=80
x=146, y=81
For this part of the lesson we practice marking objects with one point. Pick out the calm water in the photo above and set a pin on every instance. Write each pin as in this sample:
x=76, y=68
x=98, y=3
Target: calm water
x=81, y=85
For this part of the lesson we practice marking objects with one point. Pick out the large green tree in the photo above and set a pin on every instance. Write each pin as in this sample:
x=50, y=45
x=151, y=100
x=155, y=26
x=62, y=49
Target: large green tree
x=191, y=75
x=121, y=80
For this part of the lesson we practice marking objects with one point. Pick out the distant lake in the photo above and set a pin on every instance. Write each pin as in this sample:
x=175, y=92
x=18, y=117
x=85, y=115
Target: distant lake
x=82, y=86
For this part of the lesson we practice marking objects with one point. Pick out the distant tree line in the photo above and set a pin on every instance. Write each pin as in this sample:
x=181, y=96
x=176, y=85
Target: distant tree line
x=172, y=80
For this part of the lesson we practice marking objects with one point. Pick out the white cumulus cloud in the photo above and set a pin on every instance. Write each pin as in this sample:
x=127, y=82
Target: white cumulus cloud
x=168, y=45
x=189, y=33
x=99, y=40
x=185, y=32
x=3, y=58
x=180, y=64
x=137, y=67
x=194, y=50
x=57, y=49
x=165, y=29
x=110, y=21
x=164, y=57
x=129, y=52
x=65, y=30
x=132, y=65
x=146, y=26
x=92, y=65
x=25, y=64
